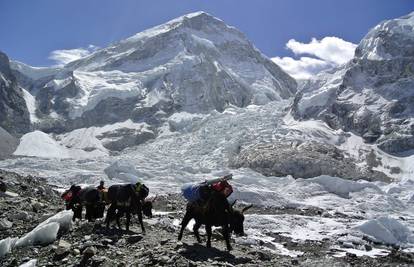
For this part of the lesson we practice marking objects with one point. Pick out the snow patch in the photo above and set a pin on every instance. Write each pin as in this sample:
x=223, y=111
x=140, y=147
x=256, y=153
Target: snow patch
x=6, y=245
x=387, y=230
x=46, y=232
x=40, y=144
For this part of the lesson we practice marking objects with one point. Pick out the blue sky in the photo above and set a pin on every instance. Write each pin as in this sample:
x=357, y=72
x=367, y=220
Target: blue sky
x=31, y=30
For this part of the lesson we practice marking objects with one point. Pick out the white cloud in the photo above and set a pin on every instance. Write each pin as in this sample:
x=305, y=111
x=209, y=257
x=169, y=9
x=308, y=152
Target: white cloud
x=331, y=49
x=322, y=54
x=64, y=56
x=303, y=68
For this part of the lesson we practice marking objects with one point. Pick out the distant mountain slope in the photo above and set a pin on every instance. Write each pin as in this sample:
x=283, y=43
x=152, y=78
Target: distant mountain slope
x=373, y=95
x=195, y=63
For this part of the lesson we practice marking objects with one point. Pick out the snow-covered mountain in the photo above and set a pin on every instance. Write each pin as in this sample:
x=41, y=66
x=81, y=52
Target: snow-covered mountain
x=195, y=63
x=373, y=94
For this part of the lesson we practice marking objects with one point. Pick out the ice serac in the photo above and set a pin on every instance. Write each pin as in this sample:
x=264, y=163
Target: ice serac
x=372, y=95
x=14, y=115
x=195, y=63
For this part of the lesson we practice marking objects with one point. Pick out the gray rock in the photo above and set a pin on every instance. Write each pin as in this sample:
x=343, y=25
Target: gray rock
x=89, y=252
x=21, y=215
x=134, y=239
x=5, y=224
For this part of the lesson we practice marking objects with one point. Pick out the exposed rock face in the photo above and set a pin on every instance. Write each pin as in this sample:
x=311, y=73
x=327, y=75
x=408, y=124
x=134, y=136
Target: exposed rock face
x=14, y=116
x=373, y=95
x=302, y=160
x=8, y=144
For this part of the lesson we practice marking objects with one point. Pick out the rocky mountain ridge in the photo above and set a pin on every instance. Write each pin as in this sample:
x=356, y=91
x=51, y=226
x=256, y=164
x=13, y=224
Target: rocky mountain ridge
x=372, y=95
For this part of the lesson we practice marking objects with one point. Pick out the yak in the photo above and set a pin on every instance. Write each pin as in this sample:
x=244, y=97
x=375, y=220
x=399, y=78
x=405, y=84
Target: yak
x=215, y=211
x=90, y=197
x=127, y=199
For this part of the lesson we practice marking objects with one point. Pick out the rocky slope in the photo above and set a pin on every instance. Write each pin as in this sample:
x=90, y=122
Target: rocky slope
x=373, y=94
x=90, y=244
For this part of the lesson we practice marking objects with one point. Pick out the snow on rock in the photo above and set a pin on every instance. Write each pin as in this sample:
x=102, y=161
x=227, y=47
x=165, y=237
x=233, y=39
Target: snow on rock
x=33, y=72
x=387, y=230
x=41, y=235
x=100, y=140
x=183, y=121
x=63, y=218
x=40, y=144
x=341, y=187
x=6, y=245
x=30, y=263
x=31, y=105
x=46, y=232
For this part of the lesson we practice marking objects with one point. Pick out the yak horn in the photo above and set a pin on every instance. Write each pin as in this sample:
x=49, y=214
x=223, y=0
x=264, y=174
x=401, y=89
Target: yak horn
x=234, y=202
x=246, y=208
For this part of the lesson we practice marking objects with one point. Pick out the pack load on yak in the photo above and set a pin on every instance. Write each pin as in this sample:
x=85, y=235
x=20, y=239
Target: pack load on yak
x=201, y=191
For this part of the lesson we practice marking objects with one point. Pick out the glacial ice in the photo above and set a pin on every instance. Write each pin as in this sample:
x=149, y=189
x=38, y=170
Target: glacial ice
x=46, y=232
x=6, y=245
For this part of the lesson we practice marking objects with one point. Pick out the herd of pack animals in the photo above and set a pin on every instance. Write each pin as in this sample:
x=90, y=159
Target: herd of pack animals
x=128, y=199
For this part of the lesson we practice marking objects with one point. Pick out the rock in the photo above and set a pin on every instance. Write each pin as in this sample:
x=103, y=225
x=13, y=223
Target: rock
x=37, y=206
x=89, y=252
x=76, y=251
x=21, y=215
x=107, y=241
x=62, y=250
x=367, y=247
x=164, y=241
x=5, y=224
x=3, y=187
x=134, y=239
x=347, y=245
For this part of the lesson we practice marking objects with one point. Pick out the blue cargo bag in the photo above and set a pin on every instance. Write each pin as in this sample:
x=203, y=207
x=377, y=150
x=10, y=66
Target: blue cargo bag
x=191, y=192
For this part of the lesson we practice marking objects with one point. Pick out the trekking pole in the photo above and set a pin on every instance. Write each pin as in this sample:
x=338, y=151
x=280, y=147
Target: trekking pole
x=221, y=179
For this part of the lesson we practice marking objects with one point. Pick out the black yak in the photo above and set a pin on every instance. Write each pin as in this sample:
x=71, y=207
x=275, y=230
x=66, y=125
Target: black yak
x=127, y=199
x=77, y=197
x=215, y=211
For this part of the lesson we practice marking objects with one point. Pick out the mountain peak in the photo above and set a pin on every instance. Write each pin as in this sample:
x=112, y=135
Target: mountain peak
x=388, y=40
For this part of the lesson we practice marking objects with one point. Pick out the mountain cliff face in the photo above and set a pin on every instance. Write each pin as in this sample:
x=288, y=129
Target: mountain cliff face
x=373, y=95
x=14, y=115
x=195, y=63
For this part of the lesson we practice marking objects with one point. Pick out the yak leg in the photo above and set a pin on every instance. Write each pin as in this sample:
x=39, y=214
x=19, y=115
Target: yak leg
x=89, y=210
x=140, y=220
x=187, y=218
x=118, y=215
x=208, y=230
x=128, y=218
x=226, y=234
x=77, y=212
x=110, y=214
x=195, y=230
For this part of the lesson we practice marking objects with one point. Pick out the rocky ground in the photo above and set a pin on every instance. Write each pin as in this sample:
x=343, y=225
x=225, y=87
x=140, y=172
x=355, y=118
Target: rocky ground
x=90, y=244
